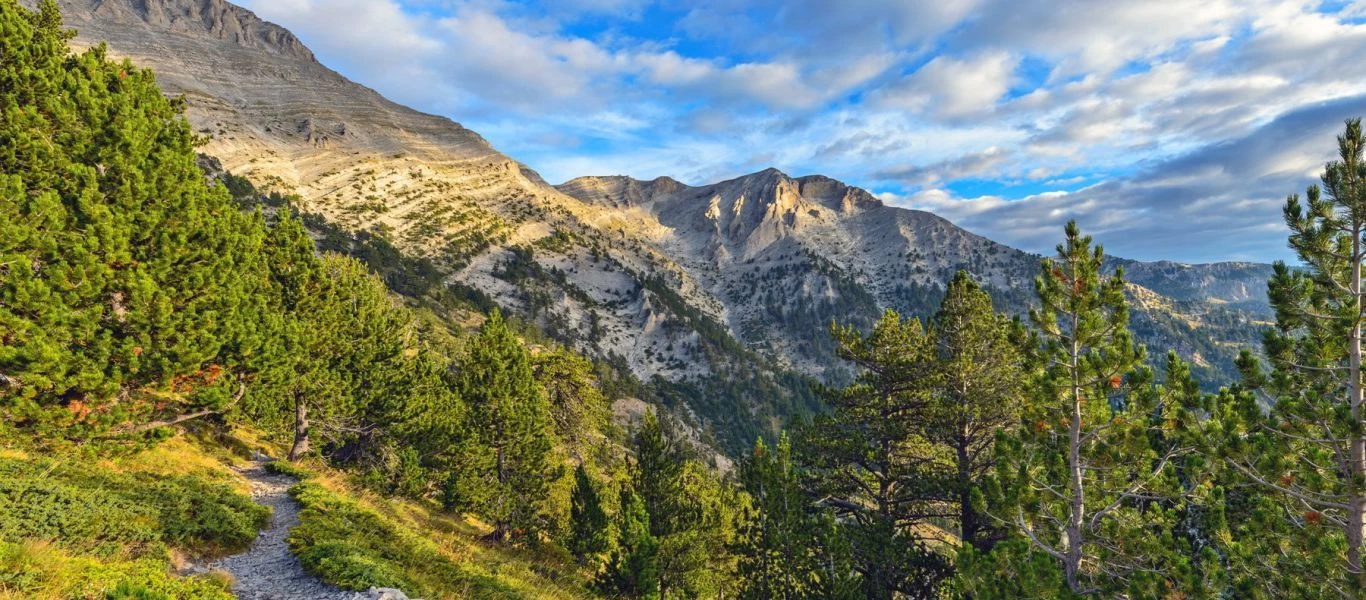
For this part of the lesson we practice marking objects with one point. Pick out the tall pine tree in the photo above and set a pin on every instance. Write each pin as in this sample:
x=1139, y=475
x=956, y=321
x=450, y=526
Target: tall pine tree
x=589, y=529
x=869, y=463
x=979, y=388
x=1309, y=452
x=1083, y=474
x=508, y=470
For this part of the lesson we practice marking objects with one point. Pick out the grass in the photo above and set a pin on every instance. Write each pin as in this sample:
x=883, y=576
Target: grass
x=83, y=527
x=40, y=571
x=355, y=539
x=72, y=526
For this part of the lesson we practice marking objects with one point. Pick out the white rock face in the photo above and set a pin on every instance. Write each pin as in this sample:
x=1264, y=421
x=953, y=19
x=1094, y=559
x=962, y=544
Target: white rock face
x=656, y=273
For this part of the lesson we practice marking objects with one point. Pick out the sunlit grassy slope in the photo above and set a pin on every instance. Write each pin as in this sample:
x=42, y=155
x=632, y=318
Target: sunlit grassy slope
x=82, y=526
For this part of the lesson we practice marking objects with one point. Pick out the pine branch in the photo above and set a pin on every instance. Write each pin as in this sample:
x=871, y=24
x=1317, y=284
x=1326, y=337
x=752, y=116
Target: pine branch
x=1306, y=496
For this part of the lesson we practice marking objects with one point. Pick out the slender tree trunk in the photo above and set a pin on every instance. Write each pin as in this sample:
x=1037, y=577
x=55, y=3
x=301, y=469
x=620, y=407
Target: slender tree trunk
x=1356, y=521
x=967, y=516
x=1072, y=564
x=300, y=447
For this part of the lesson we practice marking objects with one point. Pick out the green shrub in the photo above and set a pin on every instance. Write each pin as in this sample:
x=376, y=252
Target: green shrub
x=280, y=467
x=35, y=570
x=87, y=510
x=353, y=547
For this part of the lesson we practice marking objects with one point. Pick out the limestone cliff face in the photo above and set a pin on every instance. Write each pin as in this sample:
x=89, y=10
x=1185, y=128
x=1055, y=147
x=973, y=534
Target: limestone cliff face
x=216, y=18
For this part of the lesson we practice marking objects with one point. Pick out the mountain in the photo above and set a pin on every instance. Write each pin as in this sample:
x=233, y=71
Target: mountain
x=716, y=296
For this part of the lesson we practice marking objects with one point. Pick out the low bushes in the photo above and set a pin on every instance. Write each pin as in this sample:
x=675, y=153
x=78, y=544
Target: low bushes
x=353, y=547
x=88, y=510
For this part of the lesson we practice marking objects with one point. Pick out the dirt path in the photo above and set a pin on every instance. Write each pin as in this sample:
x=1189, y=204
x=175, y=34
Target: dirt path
x=267, y=570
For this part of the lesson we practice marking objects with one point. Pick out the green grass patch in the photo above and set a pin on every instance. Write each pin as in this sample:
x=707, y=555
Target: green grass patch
x=38, y=571
x=91, y=510
x=281, y=467
x=354, y=547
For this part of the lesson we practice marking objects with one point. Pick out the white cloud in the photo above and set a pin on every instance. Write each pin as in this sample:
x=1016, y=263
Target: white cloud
x=951, y=87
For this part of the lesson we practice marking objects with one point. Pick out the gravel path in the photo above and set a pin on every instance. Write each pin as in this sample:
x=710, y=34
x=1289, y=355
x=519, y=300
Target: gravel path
x=267, y=570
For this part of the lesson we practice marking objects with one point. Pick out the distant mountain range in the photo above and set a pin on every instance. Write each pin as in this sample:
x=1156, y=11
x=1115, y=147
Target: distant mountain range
x=719, y=294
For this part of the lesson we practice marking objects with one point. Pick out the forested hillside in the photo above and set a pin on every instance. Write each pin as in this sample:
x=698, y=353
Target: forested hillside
x=168, y=333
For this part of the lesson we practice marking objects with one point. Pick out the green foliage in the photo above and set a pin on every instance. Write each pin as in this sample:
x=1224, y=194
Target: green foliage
x=675, y=526
x=89, y=510
x=789, y=548
x=36, y=571
x=507, y=472
x=1300, y=531
x=280, y=467
x=589, y=532
x=1089, y=479
x=353, y=547
x=577, y=404
x=633, y=571
x=979, y=383
x=120, y=268
x=868, y=462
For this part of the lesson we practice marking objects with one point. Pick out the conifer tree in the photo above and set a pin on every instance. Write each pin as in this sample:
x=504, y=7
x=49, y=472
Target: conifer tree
x=778, y=553
x=633, y=571
x=577, y=404
x=1082, y=475
x=869, y=464
x=507, y=471
x=121, y=271
x=980, y=382
x=657, y=477
x=589, y=529
x=1309, y=453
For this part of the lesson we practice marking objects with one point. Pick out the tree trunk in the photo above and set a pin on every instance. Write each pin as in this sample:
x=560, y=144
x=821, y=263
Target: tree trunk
x=1356, y=520
x=1072, y=564
x=967, y=516
x=300, y=447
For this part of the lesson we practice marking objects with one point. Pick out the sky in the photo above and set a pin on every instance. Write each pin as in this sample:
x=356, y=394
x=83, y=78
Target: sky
x=1168, y=130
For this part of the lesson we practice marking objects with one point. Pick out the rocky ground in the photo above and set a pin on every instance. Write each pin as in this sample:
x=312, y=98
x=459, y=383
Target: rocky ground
x=267, y=570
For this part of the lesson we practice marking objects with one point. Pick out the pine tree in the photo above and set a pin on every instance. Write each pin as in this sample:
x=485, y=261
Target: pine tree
x=633, y=571
x=508, y=470
x=589, y=529
x=1309, y=453
x=657, y=477
x=578, y=407
x=980, y=382
x=122, y=273
x=777, y=551
x=1083, y=473
x=869, y=464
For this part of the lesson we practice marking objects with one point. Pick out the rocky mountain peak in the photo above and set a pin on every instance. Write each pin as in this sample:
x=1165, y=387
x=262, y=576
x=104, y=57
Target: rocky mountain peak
x=215, y=18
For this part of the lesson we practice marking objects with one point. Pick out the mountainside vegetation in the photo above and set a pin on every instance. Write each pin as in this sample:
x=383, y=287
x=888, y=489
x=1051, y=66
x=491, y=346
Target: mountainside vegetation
x=164, y=325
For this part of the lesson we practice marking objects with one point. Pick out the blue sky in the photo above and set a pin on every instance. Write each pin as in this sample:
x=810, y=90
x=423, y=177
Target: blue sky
x=1169, y=129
